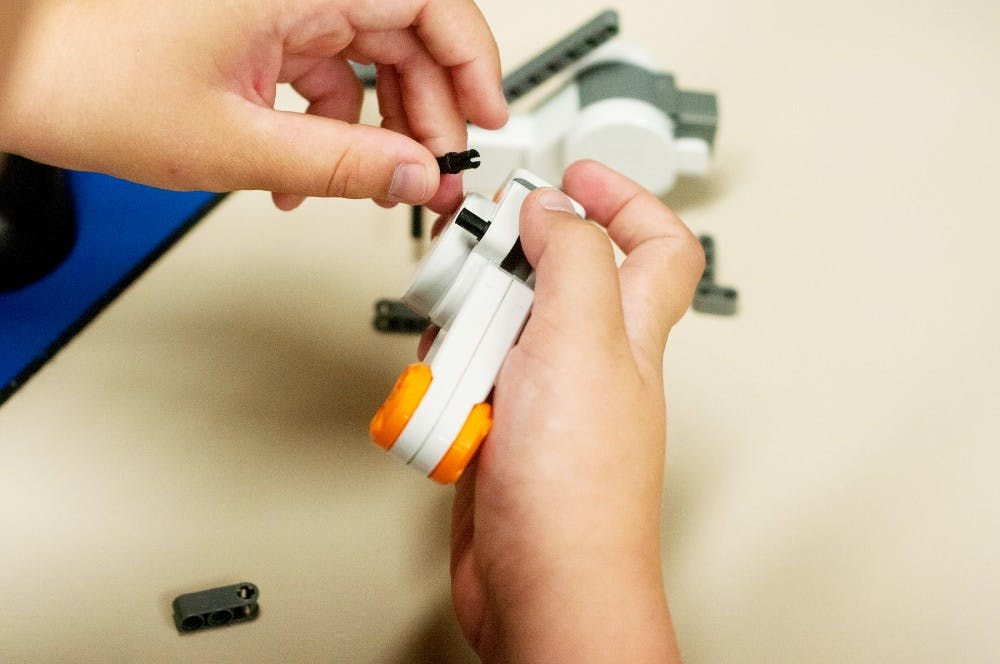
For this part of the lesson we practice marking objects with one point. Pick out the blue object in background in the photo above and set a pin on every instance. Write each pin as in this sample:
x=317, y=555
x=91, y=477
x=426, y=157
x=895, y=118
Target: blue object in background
x=121, y=229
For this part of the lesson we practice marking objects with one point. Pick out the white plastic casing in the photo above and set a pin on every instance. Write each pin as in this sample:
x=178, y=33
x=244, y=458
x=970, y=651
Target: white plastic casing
x=480, y=308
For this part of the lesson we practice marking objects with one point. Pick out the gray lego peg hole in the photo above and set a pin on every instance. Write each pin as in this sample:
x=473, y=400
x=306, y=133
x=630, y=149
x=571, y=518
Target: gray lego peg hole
x=192, y=622
x=220, y=617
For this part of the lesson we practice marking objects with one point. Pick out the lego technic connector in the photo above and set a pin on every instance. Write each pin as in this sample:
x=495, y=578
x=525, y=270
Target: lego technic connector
x=216, y=607
x=456, y=162
x=476, y=285
x=710, y=297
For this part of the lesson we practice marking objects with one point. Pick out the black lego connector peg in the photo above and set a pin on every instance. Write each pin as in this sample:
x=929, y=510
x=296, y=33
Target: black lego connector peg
x=456, y=162
x=472, y=222
x=216, y=607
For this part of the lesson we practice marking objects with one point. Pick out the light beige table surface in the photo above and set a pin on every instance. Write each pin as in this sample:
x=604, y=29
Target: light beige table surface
x=832, y=487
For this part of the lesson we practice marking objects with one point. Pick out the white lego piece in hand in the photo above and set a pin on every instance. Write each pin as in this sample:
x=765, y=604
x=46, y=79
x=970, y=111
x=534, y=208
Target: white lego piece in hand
x=476, y=285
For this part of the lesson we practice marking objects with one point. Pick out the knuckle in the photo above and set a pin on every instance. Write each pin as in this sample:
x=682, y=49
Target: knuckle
x=688, y=250
x=346, y=179
x=696, y=252
x=595, y=241
x=589, y=234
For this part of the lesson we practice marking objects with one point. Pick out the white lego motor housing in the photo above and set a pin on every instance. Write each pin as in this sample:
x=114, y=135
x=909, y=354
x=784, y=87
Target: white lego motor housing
x=476, y=285
x=623, y=131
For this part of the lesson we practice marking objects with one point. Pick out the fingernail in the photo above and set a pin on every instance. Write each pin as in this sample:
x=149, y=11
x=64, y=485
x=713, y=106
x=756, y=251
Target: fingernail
x=409, y=183
x=555, y=200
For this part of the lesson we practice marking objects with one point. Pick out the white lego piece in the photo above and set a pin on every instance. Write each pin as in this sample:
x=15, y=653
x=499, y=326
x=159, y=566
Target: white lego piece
x=533, y=142
x=477, y=380
x=439, y=268
x=481, y=308
x=450, y=354
x=693, y=156
x=629, y=136
x=506, y=148
x=552, y=120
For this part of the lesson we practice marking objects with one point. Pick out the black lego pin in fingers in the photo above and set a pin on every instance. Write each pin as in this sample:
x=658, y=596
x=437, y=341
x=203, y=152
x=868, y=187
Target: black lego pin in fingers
x=456, y=162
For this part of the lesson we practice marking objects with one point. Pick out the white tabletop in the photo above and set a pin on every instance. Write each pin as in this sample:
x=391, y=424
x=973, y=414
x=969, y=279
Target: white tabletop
x=832, y=490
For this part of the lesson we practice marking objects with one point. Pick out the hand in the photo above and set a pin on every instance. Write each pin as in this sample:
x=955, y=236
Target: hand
x=556, y=526
x=181, y=94
x=10, y=18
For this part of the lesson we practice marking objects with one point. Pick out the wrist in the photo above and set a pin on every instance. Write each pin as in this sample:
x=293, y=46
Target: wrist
x=38, y=102
x=17, y=75
x=615, y=611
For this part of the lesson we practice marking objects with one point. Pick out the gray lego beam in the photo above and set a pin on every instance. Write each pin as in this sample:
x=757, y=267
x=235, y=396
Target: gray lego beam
x=694, y=114
x=546, y=64
x=710, y=297
x=560, y=55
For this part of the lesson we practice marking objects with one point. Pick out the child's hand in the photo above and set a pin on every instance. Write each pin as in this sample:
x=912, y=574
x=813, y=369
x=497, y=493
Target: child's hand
x=556, y=527
x=180, y=94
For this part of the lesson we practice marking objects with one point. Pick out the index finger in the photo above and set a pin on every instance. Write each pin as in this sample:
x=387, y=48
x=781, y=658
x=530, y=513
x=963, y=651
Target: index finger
x=456, y=35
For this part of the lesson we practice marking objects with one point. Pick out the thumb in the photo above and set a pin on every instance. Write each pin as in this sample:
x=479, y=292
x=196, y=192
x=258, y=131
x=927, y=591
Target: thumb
x=309, y=155
x=576, y=279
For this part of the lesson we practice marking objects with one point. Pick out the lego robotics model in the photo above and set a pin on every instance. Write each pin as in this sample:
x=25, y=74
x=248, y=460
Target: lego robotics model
x=477, y=286
x=616, y=106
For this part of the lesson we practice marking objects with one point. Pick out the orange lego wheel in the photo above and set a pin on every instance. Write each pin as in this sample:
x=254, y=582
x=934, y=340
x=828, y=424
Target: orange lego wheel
x=399, y=406
x=467, y=442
